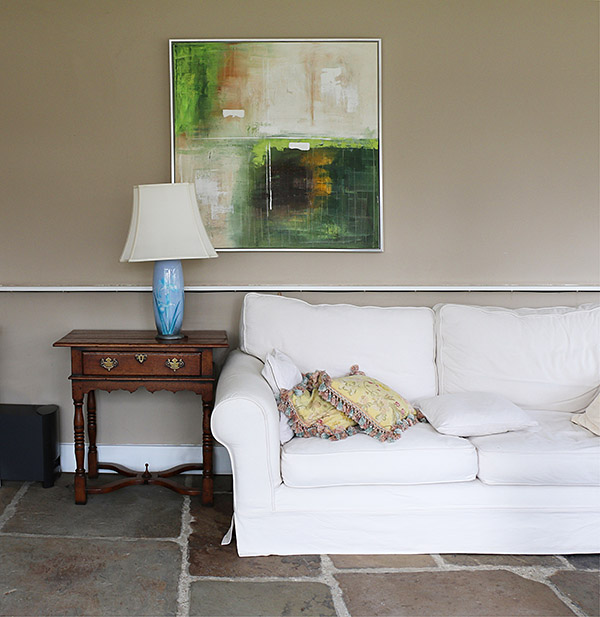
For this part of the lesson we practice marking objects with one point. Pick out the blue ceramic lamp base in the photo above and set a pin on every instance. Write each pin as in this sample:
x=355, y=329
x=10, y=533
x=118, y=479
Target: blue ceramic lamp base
x=168, y=297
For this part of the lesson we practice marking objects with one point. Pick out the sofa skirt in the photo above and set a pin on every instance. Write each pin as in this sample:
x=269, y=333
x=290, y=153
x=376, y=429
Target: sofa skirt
x=467, y=517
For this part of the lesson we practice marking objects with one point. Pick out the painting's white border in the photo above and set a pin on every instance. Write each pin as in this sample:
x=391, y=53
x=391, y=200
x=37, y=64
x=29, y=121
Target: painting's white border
x=379, y=129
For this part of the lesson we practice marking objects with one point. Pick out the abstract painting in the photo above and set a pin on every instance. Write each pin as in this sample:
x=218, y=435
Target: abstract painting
x=281, y=141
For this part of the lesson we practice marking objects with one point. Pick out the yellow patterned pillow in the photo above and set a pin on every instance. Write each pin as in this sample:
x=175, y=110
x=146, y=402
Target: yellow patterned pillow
x=312, y=416
x=376, y=408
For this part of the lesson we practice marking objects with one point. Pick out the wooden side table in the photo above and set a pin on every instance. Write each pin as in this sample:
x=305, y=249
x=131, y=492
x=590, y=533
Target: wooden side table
x=131, y=359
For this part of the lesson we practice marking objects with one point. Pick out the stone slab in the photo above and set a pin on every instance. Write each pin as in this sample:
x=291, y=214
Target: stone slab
x=489, y=593
x=549, y=561
x=582, y=588
x=211, y=524
x=585, y=562
x=382, y=561
x=208, y=557
x=223, y=561
x=58, y=576
x=135, y=511
x=250, y=599
x=8, y=490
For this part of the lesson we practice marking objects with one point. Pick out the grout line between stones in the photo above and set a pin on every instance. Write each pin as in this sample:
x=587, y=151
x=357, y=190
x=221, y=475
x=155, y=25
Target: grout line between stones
x=326, y=577
x=11, y=508
x=568, y=565
x=328, y=571
x=184, y=582
x=565, y=599
x=542, y=575
x=534, y=573
x=19, y=534
x=258, y=579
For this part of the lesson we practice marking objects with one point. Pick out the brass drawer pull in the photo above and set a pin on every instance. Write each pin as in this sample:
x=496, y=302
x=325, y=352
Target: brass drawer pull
x=141, y=357
x=109, y=363
x=174, y=364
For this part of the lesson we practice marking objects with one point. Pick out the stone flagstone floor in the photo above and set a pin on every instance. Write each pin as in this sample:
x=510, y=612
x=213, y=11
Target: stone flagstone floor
x=148, y=551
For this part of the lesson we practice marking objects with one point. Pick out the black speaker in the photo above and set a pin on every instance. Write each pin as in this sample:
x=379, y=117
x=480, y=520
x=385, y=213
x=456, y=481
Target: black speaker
x=29, y=443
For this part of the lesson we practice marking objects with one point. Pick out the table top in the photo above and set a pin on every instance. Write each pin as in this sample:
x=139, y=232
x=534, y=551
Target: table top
x=146, y=338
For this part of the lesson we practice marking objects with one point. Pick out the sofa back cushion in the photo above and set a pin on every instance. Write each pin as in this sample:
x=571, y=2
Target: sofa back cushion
x=546, y=359
x=392, y=344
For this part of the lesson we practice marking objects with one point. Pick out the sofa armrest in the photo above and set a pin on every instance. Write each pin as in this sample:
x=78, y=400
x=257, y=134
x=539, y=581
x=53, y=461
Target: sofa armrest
x=245, y=420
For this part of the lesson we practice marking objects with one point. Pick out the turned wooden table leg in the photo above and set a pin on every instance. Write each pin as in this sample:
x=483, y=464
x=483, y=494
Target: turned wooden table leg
x=207, y=455
x=91, y=426
x=78, y=424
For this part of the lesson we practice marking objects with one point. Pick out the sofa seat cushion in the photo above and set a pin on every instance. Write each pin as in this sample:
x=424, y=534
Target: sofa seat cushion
x=421, y=456
x=556, y=452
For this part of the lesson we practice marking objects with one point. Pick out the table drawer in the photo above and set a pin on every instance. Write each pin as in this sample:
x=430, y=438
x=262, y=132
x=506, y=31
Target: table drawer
x=141, y=363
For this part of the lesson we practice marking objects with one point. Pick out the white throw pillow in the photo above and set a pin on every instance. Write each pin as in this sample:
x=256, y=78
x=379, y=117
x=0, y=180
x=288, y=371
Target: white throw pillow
x=590, y=419
x=466, y=414
x=281, y=372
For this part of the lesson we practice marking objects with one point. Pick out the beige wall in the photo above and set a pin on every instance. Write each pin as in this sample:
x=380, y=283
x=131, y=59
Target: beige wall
x=490, y=136
x=490, y=150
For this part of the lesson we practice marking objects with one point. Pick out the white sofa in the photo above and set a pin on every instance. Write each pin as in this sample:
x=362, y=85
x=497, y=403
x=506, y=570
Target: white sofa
x=532, y=491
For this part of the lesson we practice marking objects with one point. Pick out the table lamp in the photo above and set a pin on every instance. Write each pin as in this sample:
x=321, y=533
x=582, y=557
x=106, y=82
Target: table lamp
x=165, y=228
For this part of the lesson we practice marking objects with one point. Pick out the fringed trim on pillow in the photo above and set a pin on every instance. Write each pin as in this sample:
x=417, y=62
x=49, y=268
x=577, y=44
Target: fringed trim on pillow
x=365, y=423
x=355, y=370
x=309, y=382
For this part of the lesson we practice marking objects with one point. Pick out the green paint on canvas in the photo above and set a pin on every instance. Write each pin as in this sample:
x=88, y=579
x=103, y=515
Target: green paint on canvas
x=260, y=149
x=196, y=68
x=327, y=203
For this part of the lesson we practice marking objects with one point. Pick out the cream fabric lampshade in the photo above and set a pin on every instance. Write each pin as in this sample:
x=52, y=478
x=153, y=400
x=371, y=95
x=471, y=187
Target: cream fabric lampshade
x=166, y=224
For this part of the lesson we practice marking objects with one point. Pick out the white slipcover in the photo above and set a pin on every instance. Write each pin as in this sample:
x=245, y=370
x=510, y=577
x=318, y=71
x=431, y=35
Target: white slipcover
x=555, y=452
x=391, y=344
x=420, y=456
x=545, y=359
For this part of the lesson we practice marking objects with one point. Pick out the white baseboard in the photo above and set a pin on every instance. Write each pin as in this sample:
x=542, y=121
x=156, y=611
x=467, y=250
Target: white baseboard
x=158, y=457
